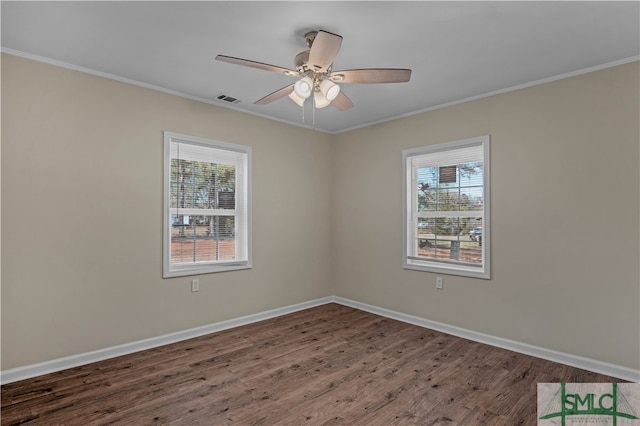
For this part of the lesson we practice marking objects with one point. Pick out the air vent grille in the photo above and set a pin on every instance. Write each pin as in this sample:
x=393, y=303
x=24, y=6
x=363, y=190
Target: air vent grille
x=227, y=98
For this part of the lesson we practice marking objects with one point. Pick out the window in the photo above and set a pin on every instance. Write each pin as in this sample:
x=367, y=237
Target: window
x=446, y=208
x=206, y=206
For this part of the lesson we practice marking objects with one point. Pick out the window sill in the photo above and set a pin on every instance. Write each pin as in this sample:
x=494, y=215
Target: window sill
x=459, y=270
x=209, y=269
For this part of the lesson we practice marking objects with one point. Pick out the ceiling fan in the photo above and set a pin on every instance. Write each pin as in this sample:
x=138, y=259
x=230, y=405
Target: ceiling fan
x=313, y=67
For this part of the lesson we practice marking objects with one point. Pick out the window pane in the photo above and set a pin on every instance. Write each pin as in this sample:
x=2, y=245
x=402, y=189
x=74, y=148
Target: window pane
x=471, y=174
x=197, y=184
x=471, y=198
x=202, y=238
x=452, y=239
x=442, y=189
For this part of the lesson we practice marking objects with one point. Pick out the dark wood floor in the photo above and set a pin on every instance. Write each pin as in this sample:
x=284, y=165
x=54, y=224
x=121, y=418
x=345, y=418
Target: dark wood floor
x=329, y=365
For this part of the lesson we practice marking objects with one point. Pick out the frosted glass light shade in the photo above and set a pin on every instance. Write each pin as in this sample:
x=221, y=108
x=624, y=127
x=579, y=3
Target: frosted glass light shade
x=303, y=87
x=320, y=100
x=297, y=99
x=329, y=89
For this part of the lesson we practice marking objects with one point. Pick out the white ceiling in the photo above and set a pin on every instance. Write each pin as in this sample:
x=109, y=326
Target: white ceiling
x=457, y=50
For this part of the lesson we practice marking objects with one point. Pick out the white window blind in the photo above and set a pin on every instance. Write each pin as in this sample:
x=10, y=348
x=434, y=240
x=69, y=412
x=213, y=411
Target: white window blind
x=446, y=208
x=207, y=214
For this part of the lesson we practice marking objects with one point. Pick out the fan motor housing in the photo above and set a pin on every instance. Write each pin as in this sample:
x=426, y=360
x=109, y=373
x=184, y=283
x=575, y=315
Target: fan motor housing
x=301, y=60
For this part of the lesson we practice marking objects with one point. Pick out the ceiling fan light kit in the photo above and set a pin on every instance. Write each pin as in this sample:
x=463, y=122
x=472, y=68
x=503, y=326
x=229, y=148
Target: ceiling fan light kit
x=314, y=70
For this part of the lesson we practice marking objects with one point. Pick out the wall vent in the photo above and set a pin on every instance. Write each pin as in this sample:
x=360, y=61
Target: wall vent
x=226, y=98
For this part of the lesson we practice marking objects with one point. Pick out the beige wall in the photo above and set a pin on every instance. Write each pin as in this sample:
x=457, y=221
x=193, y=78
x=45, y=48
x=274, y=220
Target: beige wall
x=82, y=236
x=82, y=214
x=565, y=235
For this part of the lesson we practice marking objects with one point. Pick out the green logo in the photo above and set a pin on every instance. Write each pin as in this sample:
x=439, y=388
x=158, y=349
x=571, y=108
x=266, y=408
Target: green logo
x=588, y=400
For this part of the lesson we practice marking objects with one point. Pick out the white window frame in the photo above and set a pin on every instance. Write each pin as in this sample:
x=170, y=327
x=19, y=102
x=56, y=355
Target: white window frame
x=242, y=213
x=410, y=213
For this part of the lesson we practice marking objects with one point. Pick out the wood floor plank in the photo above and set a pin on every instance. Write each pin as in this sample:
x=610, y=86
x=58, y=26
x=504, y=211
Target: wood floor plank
x=329, y=365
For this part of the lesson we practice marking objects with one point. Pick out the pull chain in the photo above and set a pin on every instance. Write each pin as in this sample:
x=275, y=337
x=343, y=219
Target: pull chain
x=313, y=102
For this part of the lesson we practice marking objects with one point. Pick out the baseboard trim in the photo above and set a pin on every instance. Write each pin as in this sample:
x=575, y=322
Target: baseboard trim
x=595, y=366
x=34, y=370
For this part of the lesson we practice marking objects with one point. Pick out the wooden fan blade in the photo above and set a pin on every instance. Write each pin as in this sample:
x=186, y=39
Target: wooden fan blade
x=259, y=65
x=371, y=75
x=342, y=102
x=280, y=93
x=324, y=49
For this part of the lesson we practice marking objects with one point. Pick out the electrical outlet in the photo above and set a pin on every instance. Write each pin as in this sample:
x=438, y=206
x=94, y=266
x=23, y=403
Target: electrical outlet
x=195, y=285
x=439, y=283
